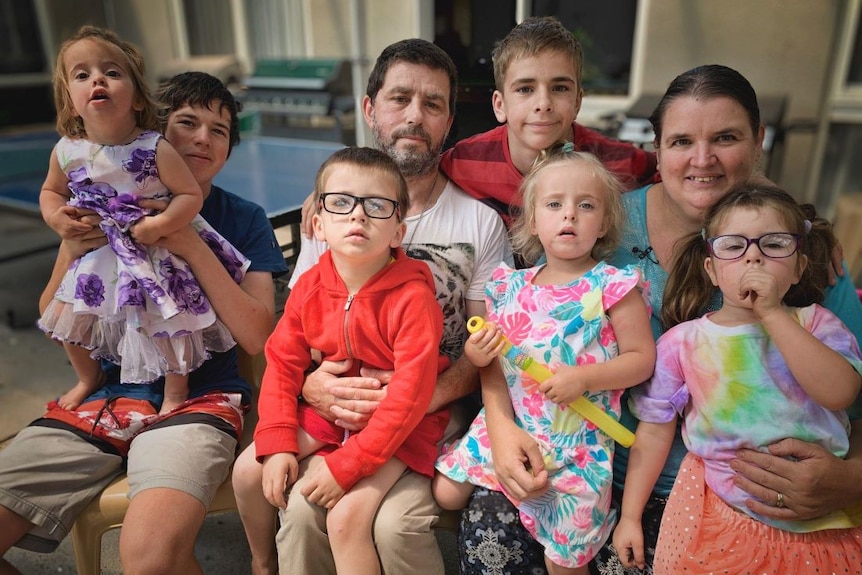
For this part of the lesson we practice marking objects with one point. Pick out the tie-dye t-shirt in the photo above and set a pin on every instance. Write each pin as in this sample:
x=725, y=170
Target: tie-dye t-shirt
x=733, y=389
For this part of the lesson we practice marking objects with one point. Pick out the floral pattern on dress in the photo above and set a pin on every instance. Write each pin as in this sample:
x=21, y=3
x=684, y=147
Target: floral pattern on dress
x=556, y=325
x=116, y=299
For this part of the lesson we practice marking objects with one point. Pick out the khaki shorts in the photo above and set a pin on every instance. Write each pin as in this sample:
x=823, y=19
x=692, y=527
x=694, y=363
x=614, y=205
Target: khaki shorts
x=30, y=467
x=193, y=458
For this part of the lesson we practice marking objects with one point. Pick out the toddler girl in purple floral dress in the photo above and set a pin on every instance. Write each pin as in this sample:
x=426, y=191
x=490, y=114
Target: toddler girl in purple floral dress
x=131, y=302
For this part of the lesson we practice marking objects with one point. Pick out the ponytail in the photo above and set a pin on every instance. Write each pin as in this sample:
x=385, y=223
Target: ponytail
x=689, y=289
x=817, y=244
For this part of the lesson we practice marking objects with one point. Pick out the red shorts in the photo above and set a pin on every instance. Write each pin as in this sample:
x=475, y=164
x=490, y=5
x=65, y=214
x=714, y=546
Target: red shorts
x=117, y=420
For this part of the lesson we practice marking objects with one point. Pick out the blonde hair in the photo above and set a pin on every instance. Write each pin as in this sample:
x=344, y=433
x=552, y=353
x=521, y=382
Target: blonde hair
x=71, y=125
x=526, y=244
x=532, y=37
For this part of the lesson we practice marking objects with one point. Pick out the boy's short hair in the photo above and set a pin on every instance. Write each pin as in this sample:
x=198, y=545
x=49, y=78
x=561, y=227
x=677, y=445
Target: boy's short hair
x=198, y=89
x=531, y=37
x=413, y=51
x=370, y=158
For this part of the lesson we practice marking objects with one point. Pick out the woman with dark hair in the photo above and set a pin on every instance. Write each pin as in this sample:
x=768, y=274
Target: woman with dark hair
x=708, y=139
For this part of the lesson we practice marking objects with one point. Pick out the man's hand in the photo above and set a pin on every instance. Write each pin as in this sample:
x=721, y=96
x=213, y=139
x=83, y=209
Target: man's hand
x=177, y=242
x=321, y=488
x=518, y=461
x=810, y=483
x=80, y=245
x=70, y=223
x=347, y=401
x=307, y=212
x=279, y=471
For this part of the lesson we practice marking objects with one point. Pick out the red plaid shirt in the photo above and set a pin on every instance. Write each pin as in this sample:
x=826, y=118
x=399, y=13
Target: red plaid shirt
x=482, y=167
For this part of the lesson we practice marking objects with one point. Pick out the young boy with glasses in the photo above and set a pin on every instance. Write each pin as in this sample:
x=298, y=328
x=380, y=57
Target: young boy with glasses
x=367, y=301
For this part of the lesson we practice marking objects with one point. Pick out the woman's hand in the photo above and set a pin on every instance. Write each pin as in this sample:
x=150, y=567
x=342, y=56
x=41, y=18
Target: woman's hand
x=837, y=267
x=813, y=482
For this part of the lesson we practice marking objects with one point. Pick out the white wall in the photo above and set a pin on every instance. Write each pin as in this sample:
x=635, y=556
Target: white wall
x=781, y=46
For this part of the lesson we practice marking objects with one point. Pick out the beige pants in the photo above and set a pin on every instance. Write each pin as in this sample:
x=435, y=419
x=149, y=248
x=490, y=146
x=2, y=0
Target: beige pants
x=403, y=527
x=403, y=530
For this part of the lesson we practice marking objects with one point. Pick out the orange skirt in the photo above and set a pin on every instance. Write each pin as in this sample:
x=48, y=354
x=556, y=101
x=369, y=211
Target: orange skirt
x=700, y=533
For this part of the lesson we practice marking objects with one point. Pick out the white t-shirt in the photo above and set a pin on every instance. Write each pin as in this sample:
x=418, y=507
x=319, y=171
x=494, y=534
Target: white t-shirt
x=462, y=240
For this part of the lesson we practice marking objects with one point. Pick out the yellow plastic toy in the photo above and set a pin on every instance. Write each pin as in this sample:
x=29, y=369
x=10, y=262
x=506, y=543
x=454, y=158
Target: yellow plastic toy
x=539, y=372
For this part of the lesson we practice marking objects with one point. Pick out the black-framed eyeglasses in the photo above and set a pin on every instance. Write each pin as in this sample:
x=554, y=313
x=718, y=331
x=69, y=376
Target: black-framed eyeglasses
x=774, y=245
x=343, y=204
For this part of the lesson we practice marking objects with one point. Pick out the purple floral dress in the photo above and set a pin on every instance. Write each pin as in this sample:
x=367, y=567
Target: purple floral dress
x=556, y=325
x=138, y=306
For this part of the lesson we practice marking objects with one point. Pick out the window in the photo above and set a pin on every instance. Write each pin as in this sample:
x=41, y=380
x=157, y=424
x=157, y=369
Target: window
x=853, y=78
x=25, y=84
x=837, y=170
x=20, y=43
x=469, y=29
x=208, y=24
x=606, y=32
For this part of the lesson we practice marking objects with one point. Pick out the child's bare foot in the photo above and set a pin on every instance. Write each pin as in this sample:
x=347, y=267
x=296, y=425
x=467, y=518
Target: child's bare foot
x=171, y=402
x=75, y=396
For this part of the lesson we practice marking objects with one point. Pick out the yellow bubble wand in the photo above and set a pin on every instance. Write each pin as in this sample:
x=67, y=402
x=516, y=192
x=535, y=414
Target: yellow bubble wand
x=539, y=372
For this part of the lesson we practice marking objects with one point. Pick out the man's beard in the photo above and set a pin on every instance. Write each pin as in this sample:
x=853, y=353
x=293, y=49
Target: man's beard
x=412, y=161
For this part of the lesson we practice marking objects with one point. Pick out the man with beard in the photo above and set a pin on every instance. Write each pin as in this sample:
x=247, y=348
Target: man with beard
x=409, y=105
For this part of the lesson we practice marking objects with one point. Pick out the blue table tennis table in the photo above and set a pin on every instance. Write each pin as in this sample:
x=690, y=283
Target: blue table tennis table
x=276, y=173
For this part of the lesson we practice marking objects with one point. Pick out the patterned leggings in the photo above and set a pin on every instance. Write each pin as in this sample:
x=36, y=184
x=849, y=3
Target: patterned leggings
x=492, y=540
x=607, y=562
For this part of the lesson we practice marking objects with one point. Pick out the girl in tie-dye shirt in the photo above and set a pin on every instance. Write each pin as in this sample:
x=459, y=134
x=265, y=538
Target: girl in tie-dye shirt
x=587, y=321
x=770, y=364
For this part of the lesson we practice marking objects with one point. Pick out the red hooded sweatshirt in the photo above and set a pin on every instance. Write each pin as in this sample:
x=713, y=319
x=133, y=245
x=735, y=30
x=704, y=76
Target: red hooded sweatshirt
x=393, y=323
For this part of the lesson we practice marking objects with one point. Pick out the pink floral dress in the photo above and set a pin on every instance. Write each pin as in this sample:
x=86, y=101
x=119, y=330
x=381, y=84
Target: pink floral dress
x=138, y=306
x=555, y=325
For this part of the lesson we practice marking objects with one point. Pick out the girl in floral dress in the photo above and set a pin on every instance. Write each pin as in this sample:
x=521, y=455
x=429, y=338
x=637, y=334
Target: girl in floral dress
x=131, y=301
x=587, y=321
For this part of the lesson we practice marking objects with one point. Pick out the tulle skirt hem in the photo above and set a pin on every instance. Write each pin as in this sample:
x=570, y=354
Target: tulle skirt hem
x=144, y=353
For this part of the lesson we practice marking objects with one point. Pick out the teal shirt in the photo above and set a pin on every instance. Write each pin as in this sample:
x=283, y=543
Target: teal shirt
x=841, y=299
